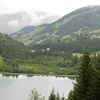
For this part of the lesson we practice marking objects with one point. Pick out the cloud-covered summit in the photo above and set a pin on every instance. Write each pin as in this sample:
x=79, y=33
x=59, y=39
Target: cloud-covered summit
x=10, y=23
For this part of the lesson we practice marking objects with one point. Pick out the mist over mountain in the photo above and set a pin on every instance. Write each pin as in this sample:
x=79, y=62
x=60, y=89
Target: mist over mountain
x=12, y=22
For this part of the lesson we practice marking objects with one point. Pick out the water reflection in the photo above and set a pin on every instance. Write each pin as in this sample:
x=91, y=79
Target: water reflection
x=18, y=87
x=10, y=75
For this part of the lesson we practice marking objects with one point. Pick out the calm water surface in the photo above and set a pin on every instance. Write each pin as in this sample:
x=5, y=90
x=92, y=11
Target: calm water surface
x=18, y=88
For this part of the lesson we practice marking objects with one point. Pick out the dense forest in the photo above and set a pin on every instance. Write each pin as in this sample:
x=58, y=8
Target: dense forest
x=87, y=85
x=74, y=46
x=17, y=58
x=9, y=48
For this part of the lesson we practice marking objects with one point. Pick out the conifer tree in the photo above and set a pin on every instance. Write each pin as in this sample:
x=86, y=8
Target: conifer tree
x=63, y=98
x=83, y=79
x=95, y=83
x=34, y=95
x=52, y=95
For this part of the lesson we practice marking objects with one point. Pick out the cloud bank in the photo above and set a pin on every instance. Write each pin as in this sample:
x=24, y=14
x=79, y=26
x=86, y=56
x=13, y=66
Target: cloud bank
x=10, y=23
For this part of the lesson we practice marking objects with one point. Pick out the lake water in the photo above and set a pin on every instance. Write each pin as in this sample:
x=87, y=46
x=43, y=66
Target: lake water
x=18, y=88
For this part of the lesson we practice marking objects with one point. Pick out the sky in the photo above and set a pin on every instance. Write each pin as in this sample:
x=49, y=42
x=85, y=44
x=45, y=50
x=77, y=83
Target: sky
x=16, y=14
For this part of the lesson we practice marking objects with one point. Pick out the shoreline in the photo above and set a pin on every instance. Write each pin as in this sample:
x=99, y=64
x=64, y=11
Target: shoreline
x=17, y=74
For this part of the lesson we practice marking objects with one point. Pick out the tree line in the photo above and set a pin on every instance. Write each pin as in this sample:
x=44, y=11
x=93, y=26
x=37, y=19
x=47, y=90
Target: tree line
x=87, y=86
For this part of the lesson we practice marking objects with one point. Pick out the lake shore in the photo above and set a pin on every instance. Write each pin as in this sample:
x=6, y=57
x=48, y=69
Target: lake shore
x=17, y=74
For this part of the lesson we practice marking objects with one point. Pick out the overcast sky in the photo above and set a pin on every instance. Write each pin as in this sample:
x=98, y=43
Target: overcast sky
x=15, y=14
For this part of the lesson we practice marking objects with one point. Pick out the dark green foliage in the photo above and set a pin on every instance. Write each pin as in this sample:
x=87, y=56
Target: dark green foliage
x=74, y=46
x=35, y=95
x=15, y=55
x=94, y=93
x=11, y=66
x=83, y=81
x=63, y=98
x=52, y=63
x=52, y=95
x=9, y=48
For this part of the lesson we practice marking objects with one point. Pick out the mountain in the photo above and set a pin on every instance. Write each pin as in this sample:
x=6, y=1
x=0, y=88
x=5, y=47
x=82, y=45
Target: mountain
x=81, y=25
x=9, y=48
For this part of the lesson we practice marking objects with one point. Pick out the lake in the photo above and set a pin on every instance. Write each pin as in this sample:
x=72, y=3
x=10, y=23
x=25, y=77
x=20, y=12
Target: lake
x=19, y=88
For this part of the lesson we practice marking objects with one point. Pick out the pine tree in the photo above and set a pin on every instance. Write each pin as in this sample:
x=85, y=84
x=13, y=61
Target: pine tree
x=52, y=95
x=35, y=96
x=81, y=87
x=63, y=98
x=95, y=83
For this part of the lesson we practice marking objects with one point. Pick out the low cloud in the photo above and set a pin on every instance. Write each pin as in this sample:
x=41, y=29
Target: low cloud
x=45, y=18
x=10, y=23
x=50, y=19
x=13, y=22
x=40, y=13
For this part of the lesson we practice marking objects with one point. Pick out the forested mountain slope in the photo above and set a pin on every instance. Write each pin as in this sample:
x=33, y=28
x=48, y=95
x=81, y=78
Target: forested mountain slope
x=10, y=48
x=79, y=25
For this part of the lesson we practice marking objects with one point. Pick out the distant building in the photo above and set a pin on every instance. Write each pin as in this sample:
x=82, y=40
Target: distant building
x=48, y=49
x=33, y=51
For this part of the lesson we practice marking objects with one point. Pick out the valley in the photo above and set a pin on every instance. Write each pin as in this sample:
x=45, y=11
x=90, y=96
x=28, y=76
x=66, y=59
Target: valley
x=45, y=60
x=49, y=48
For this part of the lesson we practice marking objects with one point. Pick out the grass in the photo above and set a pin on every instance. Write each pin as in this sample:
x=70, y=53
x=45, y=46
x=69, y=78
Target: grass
x=45, y=64
x=48, y=70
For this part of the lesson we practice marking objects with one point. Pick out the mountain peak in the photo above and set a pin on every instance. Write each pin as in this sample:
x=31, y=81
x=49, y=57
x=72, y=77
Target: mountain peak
x=72, y=27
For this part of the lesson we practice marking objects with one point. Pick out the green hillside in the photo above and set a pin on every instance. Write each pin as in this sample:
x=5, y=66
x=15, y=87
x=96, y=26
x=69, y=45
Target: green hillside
x=9, y=48
x=72, y=28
